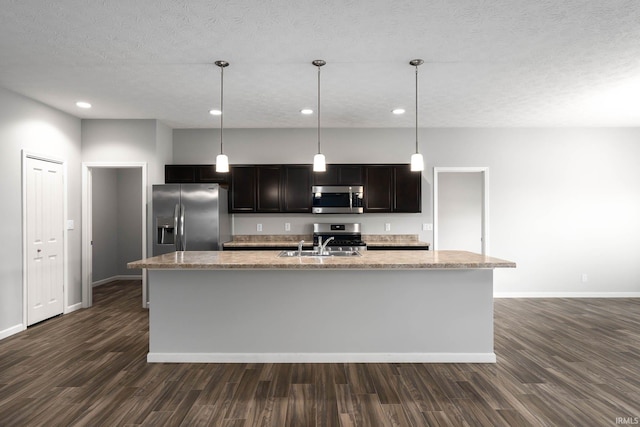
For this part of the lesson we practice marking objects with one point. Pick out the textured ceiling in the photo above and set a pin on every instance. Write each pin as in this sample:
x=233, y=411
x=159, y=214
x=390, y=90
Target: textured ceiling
x=487, y=62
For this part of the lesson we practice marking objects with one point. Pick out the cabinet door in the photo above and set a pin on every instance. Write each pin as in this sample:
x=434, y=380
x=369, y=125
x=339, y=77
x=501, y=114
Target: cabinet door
x=378, y=188
x=350, y=175
x=268, y=184
x=243, y=189
x=296, y=189
x=408, y=190
x=208, y=174
x=339, y=175
x=179, y=174
x=329, y=177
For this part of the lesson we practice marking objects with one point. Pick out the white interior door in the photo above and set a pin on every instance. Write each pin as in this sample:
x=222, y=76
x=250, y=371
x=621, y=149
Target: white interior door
x=45, y=230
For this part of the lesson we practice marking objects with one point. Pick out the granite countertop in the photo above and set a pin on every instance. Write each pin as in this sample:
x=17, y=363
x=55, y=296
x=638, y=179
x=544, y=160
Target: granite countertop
x=369, y=260
x=291, y=240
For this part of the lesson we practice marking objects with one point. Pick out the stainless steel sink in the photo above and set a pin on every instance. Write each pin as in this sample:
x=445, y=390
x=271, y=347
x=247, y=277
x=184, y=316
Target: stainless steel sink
x=317, y=254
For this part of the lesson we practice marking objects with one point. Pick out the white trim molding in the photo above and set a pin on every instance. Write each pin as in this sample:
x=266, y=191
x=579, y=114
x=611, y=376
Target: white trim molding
x=321, y=357
x=566, y=295
x=6, y=333
x=114, y=278
x=87, y=226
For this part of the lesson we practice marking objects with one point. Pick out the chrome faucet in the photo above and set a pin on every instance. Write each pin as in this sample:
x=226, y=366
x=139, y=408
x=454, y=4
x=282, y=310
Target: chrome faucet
x=323, y=246
x=300, y=243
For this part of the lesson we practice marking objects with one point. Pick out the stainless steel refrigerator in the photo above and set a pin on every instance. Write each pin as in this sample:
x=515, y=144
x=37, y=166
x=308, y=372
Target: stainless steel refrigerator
x=190, y=217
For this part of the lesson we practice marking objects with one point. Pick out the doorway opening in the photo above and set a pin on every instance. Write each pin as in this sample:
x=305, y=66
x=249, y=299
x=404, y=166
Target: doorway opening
x=112, y=220
x=461, y=209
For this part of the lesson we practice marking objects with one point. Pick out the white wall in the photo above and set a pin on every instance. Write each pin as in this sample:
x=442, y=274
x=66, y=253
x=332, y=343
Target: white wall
x=563, y=202
x=460, y=211
x=130, y=141
x=105, y=224
x=28, y=125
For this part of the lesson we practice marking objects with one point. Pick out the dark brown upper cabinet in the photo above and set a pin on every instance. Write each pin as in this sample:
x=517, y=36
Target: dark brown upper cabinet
x=296, y=188
x=378, y=189
x=268, y=186
x=287, y=188
x=270, y=189
x=339, y=175
x=392, y=188
x=179, y=174
x=207, y=173
x=242, y=195
x=407, y=189
x=184, y=174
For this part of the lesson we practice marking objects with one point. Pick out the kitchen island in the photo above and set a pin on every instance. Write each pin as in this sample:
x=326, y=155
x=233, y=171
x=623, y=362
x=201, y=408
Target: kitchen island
x=383, y=306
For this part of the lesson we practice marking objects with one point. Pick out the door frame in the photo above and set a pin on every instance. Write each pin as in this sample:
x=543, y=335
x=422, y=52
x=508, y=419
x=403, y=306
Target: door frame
x=87, y=224
x=485, y=202
x=65, y=264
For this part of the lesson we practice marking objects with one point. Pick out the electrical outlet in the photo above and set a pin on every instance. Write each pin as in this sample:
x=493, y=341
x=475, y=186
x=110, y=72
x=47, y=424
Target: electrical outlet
x=259, y=227
x=427, y=227
x=585, y=277
x=387, y=226
x=287, y=226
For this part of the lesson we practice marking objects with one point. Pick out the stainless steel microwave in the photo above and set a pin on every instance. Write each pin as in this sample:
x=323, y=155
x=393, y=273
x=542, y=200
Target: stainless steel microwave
x=337, y=199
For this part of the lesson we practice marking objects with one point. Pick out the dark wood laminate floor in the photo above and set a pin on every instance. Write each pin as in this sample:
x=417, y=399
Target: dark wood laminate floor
x=561, y=362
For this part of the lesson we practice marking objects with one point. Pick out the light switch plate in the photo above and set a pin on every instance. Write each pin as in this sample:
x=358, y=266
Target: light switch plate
x=427, y=227
x=70, y=224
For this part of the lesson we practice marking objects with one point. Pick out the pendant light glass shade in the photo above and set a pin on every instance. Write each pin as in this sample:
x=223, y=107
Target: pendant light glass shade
x=417, y=162
x=222, y=161
x=319, y=162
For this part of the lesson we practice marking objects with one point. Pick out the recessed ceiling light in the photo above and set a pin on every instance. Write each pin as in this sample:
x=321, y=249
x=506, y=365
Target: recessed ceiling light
x=306, y=111
x=83, y=104
x=215, y=112
x=398, y=111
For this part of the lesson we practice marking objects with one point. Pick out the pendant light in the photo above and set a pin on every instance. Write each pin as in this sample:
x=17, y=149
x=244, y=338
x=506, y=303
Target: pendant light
x=319, y=163
x=222, y=161
x=417, y=162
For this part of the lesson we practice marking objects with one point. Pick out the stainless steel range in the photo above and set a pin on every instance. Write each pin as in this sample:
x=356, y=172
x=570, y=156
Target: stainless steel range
x=340, y=237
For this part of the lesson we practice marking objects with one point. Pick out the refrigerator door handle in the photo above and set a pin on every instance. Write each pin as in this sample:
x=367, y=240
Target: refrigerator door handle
x=176, y=226
x=183, y=231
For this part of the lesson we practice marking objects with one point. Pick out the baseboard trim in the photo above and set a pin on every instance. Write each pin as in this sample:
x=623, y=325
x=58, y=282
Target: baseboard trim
x=11, y=331
x=566, y=295
x=73, y=307
x=118, y=277
x=321, y=357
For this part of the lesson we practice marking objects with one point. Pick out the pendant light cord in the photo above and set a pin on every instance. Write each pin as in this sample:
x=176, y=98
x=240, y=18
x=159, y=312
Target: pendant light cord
x=416, y=108
x=318, y=109
x=221, y=105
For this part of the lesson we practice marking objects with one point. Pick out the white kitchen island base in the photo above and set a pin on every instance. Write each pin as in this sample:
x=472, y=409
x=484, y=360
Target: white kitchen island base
x=321, y=315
